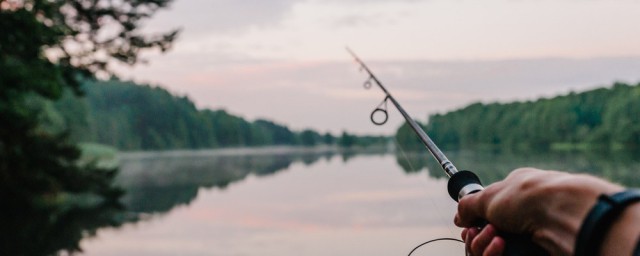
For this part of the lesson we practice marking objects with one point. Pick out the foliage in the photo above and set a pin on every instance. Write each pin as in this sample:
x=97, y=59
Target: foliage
x=45, y=46
x=365, y=141
x=347, y=140
x=328, y=139
x=407, y=139
x=134, y=117
x=130, y=116
x=603, y=118
x=47, y=230
x=310, y=138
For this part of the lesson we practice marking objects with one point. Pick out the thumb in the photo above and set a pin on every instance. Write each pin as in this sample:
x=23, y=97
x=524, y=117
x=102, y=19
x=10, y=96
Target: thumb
x=471, y=208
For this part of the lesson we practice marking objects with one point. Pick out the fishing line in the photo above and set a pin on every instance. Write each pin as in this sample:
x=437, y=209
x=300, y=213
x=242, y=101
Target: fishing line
x=460, y=183
x=438, y=240
x=448, y=167
x=443, y=219
x=406, y=158
x=435, y=206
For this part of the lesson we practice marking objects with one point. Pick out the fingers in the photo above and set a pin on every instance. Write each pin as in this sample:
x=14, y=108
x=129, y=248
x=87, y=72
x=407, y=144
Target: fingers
x=480, y=243
x=492, y=205
x=463, y=235
x=474, y=207
x=468, y=237
x=496, y=247
x=470, y=209
x=485, y=242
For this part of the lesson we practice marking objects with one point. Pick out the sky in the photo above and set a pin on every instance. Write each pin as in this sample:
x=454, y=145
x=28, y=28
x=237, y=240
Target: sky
x=285, y=60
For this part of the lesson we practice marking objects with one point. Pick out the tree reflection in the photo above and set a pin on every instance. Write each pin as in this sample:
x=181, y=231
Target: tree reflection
x=617, y=166
x=157, y=184
x=413, y=162
x=154, y=184
x=47, y=230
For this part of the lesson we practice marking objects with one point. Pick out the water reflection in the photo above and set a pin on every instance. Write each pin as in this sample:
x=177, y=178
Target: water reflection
x=47, y=230
x=238, y=206
x=158, y=183
x=619, y=166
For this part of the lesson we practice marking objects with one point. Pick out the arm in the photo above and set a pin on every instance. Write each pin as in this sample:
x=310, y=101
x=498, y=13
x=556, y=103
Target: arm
x=549, y=205
x=624, y=235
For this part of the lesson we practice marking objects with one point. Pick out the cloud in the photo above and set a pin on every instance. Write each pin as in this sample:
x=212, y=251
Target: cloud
x=408, y=30
x=222, y=16
x=285, y=59
x=512, y=79
x=330, y=95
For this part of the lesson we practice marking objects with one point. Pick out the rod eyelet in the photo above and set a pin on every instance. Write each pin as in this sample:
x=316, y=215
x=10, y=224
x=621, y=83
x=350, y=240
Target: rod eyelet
x=386, y=116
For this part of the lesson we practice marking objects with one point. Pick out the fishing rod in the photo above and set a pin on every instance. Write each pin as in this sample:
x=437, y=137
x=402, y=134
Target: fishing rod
x=461, y=183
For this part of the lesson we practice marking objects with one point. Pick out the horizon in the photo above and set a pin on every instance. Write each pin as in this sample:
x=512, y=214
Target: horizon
x=393, y=111
x=285, y=60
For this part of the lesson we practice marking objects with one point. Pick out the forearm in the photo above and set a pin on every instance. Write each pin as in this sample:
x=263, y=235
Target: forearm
x=573, y=198
x=623, y=236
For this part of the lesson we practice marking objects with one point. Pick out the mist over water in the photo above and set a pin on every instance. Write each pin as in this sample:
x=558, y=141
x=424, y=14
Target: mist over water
x=306, y=202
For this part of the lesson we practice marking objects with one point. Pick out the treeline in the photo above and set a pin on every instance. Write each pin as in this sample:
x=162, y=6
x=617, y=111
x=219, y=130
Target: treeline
x=605, y=118
x=140, y=117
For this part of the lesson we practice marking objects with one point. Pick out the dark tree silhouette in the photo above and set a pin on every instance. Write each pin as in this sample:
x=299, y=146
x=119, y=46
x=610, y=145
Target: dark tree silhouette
x=47, y=47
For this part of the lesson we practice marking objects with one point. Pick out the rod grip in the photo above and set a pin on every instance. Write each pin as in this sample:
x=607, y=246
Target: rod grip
x=465, y=182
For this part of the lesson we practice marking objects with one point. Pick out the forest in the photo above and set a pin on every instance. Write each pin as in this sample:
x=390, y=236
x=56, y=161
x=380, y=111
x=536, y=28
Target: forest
x=604, y=119
x=130, y=116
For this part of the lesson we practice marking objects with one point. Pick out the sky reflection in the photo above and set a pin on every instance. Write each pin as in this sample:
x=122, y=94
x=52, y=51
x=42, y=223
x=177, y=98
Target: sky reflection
x=367, y=206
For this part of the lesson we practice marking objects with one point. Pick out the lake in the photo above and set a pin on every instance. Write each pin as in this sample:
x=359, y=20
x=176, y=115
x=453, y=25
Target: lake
x=296, y=201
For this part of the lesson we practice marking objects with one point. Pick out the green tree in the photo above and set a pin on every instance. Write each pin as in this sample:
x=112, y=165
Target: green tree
x=407, y=139
x=133, y=116
x=604, y=118
x=46, y=46
x=347, y=140
x=279, y=134
x=309, y=137
x=328, y=139
x=622, y=119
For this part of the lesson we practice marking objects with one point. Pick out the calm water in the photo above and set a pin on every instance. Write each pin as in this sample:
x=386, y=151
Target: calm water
x=280, y=201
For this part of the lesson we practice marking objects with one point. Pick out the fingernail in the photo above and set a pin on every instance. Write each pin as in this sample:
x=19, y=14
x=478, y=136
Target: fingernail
x=466, y=239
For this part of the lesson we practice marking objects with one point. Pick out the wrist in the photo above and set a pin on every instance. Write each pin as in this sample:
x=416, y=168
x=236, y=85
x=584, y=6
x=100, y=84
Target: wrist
x=623, y=236
x=574, y=196
x=610, y=219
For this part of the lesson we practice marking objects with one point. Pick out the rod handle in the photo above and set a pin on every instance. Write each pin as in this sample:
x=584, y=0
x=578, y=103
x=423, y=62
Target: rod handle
x=464, y=183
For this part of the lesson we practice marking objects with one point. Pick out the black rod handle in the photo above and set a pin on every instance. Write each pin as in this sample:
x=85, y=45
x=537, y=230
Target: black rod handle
x=464, y=183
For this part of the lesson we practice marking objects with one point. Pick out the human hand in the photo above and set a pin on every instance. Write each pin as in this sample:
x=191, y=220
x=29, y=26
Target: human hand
x=548, y=205
x=485, y=241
